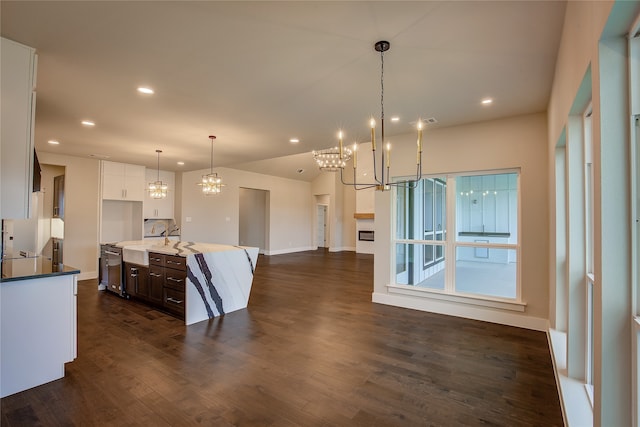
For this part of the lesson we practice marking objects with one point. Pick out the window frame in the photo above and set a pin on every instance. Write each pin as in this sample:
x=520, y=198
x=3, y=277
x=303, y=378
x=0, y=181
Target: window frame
x=450, y=245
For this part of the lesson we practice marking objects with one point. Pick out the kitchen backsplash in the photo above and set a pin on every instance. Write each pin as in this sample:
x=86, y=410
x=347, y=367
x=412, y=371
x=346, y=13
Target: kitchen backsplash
x=154, y=227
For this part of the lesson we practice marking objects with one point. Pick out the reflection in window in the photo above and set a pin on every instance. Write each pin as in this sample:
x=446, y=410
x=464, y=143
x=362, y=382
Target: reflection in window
x=431, y=276
x=486, y=238
x=486, y=271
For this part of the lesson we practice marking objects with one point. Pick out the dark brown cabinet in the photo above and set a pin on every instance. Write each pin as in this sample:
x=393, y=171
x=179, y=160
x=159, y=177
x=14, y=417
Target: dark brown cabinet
x=156, y=283
x=167, y=276
x=136, y=280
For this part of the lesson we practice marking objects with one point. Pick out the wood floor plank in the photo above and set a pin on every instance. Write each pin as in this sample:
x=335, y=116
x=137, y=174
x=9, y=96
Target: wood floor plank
x=311, y=349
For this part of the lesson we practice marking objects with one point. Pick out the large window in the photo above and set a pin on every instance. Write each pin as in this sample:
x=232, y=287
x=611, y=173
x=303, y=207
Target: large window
x=479, y=256
x=589, y=257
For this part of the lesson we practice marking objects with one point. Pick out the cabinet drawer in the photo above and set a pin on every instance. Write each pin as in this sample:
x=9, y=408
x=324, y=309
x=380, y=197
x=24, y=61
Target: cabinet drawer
x=177, y=262
x=174, y=300
x=156, y=259
x=174, y=279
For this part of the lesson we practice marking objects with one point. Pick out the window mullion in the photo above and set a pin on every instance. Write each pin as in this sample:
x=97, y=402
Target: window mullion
x=450, y=246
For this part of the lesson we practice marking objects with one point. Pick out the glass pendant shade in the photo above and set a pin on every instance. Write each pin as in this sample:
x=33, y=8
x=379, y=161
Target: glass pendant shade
x=211, y=183
x=330, y=159
x=158, y=189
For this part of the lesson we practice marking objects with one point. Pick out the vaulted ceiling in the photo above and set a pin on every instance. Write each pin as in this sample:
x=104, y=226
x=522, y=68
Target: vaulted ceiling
x=257, y=74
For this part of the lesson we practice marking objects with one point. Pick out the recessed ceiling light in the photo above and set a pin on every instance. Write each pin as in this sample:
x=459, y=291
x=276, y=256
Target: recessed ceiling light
x=395, y=119
x=180, y=163
x=53, y=142
x=145, y=90
x=487, y=101
x=294, y=140
x=88, y=123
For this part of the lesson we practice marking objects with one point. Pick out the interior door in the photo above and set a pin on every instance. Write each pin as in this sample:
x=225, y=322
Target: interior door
x=253, y=218
x=321, y=226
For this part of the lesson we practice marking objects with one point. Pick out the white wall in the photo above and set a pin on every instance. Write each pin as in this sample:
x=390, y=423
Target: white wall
x=177, y=207
x=215, y=219
x=82, y=192
x=517, y=142
x=348, y=221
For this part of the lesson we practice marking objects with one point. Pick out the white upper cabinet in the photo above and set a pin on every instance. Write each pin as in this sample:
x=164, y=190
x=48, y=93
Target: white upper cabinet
x=17, y=114
x=160, y=208
x=122, y=181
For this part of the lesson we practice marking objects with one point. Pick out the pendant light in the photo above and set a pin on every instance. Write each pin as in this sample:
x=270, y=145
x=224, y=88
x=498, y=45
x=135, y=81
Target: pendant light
x=158, y=189
x=211, y=183
x=335, y=159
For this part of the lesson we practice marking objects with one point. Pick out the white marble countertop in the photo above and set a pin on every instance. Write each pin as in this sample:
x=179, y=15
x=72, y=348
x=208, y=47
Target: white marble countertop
x=137, y=251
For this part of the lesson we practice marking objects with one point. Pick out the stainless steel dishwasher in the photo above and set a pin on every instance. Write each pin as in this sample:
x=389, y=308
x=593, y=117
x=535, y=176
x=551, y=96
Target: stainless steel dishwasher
x=111, y=268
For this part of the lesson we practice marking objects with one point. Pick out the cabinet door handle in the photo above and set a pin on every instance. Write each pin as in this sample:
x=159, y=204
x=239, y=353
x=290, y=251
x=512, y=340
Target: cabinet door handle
x=155, y=274
x=173, y=279
x=112, y=253
x=174, y=262
x=173, y=300
x=155, y=259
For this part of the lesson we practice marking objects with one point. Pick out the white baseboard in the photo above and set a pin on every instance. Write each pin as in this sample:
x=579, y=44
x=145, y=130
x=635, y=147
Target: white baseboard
x=343, y=248
x=484, y=314
x=289, y=250
x=88, y=275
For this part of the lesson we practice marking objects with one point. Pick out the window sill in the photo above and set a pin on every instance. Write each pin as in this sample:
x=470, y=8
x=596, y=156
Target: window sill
x=576, y=408
x=478, y=300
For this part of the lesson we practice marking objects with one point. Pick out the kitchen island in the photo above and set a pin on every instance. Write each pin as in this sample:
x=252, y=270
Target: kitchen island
x=194, y=281
x=38, y=321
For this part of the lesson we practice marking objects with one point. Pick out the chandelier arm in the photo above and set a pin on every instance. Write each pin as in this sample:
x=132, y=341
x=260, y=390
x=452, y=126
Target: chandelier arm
x=404, y=184
x=412, y=183
x=356, y=186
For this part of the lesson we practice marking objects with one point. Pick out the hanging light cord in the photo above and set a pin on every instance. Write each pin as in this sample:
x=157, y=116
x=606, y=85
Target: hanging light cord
x=382, y=96
x=212, y=137
x=158, y=151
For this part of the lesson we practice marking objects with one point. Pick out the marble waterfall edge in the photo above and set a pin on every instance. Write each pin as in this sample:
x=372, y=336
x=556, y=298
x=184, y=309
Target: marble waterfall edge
x=218, y=282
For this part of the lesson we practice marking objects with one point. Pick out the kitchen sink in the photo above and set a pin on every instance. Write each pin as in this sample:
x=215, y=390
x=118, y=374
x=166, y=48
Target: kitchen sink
x=136, y=254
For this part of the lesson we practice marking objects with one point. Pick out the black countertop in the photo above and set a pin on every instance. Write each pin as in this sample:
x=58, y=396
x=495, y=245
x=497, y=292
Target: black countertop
x=32, y=268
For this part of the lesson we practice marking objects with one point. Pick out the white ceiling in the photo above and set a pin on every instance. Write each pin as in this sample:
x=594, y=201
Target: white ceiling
x=256, y=74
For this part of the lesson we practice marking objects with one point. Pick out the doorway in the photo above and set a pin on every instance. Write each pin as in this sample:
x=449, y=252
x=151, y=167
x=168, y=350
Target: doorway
x=321, y=226
x=253, y=218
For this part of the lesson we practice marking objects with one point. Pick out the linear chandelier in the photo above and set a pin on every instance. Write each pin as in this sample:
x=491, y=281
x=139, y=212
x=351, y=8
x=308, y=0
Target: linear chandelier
x=211, y=183
x=335, y=159
x=158, y=189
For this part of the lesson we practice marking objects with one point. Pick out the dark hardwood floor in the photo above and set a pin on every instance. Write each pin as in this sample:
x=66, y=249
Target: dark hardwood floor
x=310, y=350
